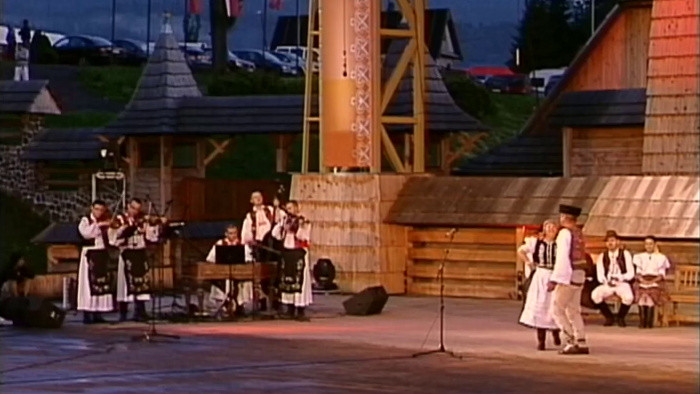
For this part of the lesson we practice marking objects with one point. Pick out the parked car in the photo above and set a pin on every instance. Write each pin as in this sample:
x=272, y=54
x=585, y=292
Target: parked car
x=134, y=51
x=300, y=52
x=269, y=62
x=290, y=58
x=552, y=83
x=83, y=49
x=234, y=61
x=515, y=84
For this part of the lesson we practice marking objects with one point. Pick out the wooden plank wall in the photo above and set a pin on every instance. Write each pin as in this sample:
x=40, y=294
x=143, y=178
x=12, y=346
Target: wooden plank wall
x=346, y=212
x=606, y=151
x=219, y=199
x=672, y=130
x=620, y=60
x=481, y=262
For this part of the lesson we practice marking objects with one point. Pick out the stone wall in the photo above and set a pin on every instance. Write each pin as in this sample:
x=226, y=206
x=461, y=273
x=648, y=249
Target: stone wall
x=19, y=179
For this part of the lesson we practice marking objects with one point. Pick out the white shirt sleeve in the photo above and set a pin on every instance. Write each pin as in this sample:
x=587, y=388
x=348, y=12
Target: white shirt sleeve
x=277, y=230
x=247, y=230
x=637, y=263
x=304, y=232
x=666, y=265
x=88, y=230
x=562, y=265
x=211, y=257
x=629, y=273
x=599, y=269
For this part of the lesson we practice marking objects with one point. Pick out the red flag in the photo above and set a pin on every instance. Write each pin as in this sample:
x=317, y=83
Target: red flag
x=195, y=7
x=234, y=8
x=276, y=5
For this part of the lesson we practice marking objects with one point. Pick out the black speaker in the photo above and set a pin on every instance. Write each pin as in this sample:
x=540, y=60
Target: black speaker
x=369, y=301
x=32, y=312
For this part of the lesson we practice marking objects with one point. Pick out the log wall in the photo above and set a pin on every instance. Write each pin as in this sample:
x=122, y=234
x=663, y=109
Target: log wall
x=672, y=129
x=347, y=213
x=481, y=262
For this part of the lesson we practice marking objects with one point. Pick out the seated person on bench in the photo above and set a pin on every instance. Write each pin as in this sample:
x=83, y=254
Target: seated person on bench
x=216, y=295
x=649, y=285
x=615, y=272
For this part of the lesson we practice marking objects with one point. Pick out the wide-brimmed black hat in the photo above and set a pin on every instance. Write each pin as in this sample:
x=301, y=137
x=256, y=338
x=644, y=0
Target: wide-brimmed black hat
x=611, y=234
x=569, y=210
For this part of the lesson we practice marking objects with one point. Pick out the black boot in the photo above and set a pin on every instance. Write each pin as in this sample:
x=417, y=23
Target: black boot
x=621, y=315
x=642, y=316
x=290, y=311
x=607, y=313
x=123, y=310
x=263, y=305
x=557, y=339
x=87, y=317
x=97, y=318
x=541, y=336
x=650, y=317
x=301, y=314
x=140, y=311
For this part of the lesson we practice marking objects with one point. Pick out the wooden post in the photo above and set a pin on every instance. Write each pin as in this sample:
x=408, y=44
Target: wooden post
x=567, y=135
x=419, y=89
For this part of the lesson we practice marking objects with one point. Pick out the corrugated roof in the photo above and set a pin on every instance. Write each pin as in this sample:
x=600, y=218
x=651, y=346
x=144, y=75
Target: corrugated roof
x=55, y=145
x=522, y=156
x=67, y=233
x=30, y=97
x=636, y=206
x=488, y=201
x=599, y=108
x=165, y=80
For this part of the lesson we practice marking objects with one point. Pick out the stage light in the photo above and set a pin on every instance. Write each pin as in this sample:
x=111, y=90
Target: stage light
x=324, y=274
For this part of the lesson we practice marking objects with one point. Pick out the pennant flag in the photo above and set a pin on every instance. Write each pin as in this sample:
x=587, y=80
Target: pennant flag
x=276, y=5
x=194, y=7
x=234, y=8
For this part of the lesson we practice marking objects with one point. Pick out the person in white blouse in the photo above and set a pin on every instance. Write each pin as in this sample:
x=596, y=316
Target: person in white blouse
x=651, y=267
x=615, y=271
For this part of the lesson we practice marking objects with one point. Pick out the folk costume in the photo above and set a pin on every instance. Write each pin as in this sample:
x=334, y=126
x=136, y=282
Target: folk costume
x=257, y=226
x=133, y=271
x=614, y=271
x=94, y=271
x=295, y=274
x=649, y=291
x=569, y=275
x=216, y=295
x=536, y=310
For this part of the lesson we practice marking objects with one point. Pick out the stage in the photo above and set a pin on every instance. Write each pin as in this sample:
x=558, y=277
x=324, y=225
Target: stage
x=335, y=353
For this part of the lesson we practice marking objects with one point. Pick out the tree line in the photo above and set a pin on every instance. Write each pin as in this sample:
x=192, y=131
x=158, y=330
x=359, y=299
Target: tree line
x=551, y=32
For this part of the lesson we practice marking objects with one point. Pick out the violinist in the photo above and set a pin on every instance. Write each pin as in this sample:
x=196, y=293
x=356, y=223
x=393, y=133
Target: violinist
x=133, y=272
x=94, y=280
x=295, y=282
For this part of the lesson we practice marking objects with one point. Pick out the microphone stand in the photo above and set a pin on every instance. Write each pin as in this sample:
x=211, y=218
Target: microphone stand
x=441, y=276
x=152, y=333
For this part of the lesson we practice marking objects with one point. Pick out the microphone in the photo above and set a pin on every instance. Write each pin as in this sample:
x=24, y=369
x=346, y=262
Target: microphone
x=452, y=232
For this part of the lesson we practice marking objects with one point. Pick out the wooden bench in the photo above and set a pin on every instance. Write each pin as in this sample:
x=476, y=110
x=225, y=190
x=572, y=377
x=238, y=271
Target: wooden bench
x=685, y=291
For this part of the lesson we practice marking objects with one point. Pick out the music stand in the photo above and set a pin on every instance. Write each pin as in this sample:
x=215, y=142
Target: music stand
x=230, y=255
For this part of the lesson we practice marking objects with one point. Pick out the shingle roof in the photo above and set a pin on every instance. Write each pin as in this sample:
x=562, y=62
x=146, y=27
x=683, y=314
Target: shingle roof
x=600, y=108
x=443, y=114
x=67, y=233
x=522, y=156
x=32, y=97
x=487, y=201
x=241, y=114
x=637, y=206
x=55, y=145
x=165, y=79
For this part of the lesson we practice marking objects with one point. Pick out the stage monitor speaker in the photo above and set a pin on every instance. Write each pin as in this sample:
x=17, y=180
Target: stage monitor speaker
x=32, y=312
x=369, y=301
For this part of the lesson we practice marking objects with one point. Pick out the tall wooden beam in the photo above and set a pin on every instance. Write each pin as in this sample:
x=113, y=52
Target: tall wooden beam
x=419, y=136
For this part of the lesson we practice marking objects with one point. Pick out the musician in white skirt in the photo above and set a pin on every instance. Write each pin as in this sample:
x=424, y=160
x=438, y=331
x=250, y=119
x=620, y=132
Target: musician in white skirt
x=94, y=230
x=295, y=286
x=540, y=256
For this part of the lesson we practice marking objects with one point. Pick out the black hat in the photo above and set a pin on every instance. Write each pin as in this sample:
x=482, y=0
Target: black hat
x=569, y=210
x=611, y=234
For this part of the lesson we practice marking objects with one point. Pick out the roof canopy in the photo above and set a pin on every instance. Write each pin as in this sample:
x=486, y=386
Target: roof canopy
x=64, y=145
x=27, y=97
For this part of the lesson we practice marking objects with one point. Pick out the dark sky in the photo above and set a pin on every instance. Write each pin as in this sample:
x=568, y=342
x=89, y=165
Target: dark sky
x=94, y=17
